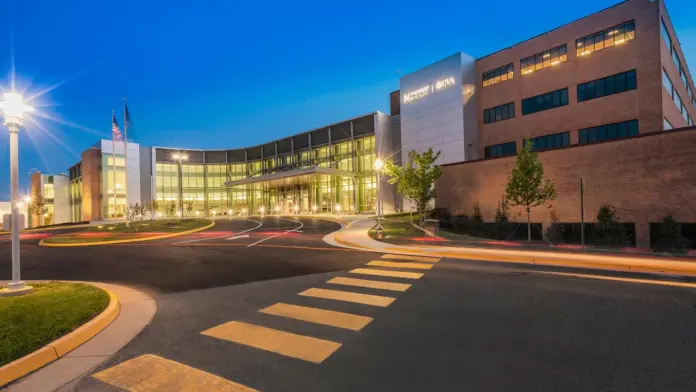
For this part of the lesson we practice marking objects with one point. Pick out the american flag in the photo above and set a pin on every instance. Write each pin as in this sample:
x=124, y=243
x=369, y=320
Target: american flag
x=116, y=133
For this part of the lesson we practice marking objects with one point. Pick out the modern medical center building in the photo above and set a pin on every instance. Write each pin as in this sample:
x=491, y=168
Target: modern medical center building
x=608, y=98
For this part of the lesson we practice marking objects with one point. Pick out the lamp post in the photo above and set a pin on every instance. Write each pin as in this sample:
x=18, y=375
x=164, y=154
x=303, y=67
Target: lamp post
x=229, y=215
x=14, y=108
x=379, y=164
x=180, y=157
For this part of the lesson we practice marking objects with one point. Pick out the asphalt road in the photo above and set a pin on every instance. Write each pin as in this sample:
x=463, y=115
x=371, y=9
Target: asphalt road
x=462, y=326
x=232, y=252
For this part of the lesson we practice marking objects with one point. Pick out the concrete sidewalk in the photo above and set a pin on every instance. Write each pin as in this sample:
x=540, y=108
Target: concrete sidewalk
x=354, y=235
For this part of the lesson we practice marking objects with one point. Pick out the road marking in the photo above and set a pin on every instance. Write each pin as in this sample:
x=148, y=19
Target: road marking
x=414, y=258
x=394, y=274
x=239, y=236
x=400, y=264
x=319, y=316
x=274, y=236
x=347, y=296
x=152, y=373
x=280, y=342
x=619, y=279
x=222, y=236
x=373, y=284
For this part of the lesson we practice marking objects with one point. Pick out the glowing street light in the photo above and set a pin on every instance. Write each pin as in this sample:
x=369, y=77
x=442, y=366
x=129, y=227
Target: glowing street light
x=244, y=211
x=262, y=209
x=314, y=208
x=296, y=208
x=214, y=213
x=338, y=208
x=27, y=199
x=277, y=209
x=198, y=213
x=20, y=204
x=13, y=108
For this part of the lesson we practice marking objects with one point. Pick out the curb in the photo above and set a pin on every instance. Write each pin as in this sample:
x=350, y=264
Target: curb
x=49, y=228
x=521, y=257
x=157, y=237
x=61, y=346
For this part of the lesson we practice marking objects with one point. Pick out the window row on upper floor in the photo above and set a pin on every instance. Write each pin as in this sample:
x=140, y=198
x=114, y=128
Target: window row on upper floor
x=609, y=85
x=677, y=62
x=590, y=135
x=616, y=35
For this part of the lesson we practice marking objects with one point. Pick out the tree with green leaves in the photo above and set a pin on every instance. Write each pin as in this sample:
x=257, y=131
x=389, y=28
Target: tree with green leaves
x=153, y=207
x=170, y=208
x=526, y=185
x=188, y=206
x=37, y=208
x=416, y=180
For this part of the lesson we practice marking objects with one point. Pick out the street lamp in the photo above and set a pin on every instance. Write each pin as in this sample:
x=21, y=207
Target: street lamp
x=277, y=209
x=229, y=215
x=27, y=199
x=296, y=208
x=180, y=157
x=379, y=164
x=14, y=108
x=338, y=209
x=314, y=209
x=244, y=210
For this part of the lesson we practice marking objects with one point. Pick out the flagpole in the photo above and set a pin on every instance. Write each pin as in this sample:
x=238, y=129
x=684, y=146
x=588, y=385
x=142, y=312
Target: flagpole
x=113, y=160
x=125, y=149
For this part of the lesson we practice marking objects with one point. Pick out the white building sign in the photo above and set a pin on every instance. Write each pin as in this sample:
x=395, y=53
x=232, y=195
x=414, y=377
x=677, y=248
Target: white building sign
x=426, y=90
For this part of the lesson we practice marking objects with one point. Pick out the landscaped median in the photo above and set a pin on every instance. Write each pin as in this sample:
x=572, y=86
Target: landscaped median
x=119, y=233
x=356, y=236
x=38, y=328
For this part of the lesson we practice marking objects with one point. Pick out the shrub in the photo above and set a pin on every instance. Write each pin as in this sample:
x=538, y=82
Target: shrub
x=554, y=231
x=669, y=236
x=608, y=231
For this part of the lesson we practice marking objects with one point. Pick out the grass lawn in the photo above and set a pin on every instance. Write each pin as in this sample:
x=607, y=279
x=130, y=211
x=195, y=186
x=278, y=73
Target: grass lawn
x=138, y=229
x=398, y=228
x=31, y=321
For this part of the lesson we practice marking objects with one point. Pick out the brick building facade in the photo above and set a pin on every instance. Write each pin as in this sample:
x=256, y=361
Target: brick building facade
x=645, y=177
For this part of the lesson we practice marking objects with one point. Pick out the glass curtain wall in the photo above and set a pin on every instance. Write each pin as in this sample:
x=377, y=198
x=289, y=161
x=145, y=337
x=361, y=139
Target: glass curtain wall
x=113, y=180
x=76, y=200
x=203, y=185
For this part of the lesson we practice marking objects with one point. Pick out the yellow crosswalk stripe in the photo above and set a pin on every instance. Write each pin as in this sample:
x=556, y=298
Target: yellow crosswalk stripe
x=280, y=342
x=319, y=316
x=347, y=296
x=373, y=284
x=412, y=258
x=393, y=274
x=400, y=264
x=150, y=373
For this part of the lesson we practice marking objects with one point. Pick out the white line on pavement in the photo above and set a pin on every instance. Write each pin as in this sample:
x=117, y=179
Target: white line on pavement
x=239, y=236
x=222, y=236
x=273, y=236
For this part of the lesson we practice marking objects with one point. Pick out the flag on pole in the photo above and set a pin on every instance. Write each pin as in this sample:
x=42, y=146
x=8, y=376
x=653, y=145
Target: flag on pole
x=115, y=131
x=128, y=123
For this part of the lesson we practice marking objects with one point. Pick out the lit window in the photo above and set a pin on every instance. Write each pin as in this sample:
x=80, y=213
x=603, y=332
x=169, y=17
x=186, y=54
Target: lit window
x=616, y=35
x=498, y=75
x=544, y=59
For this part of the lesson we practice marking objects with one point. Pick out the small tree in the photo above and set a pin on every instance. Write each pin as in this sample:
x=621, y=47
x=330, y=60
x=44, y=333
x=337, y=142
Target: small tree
x=526, y=185
x=416, y=180
x=188, y=206
x=554, y=232
x=154, y=207
x=37, y=207
x=608, y=231
x=170, y=208
x=669, y=236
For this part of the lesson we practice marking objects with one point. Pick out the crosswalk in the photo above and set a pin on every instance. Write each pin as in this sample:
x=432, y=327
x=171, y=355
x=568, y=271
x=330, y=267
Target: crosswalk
x=384, y=278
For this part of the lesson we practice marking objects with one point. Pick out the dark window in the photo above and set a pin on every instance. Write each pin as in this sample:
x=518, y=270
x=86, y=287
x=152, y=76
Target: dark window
x=613, y=84
x=546, y=101
x=501, y=150
x=546, y=142
x=616, y=35
x=500, y=74
x=608, y=132
x=499, y=113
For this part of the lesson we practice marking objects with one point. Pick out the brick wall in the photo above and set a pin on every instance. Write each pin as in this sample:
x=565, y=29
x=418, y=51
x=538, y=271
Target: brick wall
x=641, y=54
x=645, y=178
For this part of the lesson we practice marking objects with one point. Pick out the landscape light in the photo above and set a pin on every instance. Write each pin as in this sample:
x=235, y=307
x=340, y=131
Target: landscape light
x=27, y=199
x=379, y=164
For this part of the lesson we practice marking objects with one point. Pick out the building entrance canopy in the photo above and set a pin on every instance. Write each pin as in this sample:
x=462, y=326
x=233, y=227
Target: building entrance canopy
x=292, y=177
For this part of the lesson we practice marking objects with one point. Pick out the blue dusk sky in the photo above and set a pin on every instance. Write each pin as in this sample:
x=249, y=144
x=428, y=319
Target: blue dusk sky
x=222, y=74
